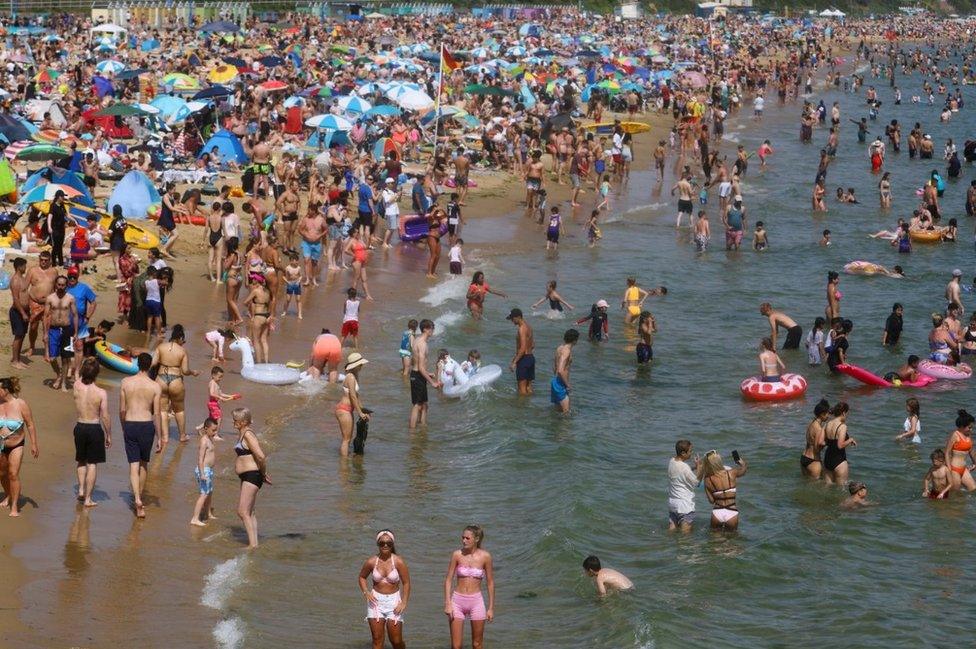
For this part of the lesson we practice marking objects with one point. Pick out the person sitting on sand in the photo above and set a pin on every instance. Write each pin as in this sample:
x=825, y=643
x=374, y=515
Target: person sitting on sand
x=606, y=579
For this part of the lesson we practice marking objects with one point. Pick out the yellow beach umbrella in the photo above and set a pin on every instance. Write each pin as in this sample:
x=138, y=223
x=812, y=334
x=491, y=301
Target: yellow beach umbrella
x=222, y=74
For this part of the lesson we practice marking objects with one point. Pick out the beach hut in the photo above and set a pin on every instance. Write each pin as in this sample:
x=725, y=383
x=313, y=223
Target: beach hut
x=228, y=146
x=136, y=194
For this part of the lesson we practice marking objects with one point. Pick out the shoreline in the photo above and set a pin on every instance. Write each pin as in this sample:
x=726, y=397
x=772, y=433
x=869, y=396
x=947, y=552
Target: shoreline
x=496, y=206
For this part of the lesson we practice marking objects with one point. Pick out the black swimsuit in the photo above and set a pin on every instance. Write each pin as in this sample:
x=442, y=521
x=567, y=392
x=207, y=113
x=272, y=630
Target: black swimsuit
x=256, y=478
x=833, y=456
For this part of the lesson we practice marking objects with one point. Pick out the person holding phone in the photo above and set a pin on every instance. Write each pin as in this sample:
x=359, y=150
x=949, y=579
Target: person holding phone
x=720, y=487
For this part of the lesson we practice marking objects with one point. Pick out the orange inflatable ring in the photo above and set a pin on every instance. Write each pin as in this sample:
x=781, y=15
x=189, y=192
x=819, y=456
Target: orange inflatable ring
x=327, y=349
x=791, y=386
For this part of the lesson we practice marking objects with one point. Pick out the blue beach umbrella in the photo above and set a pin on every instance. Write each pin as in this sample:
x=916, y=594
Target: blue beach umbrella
x=384, y=110
x=354, y=104
x=110, y=66
x=329, y=122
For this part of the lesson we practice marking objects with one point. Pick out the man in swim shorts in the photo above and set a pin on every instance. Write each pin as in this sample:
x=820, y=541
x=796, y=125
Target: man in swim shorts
x=420, y=377
x=139, y=412
x=523, y=364
x=685, y=206
x=60, y=325
x=779, y=319
x=312, y=230
x=559, y=386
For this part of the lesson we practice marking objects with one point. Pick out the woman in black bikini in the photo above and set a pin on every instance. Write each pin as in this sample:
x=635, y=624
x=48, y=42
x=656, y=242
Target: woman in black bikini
x=836, y=441
x=260, y=303
x=173, y=364
x=252, y=468
x=16, y=427
x=232, y=275
x=810, y=463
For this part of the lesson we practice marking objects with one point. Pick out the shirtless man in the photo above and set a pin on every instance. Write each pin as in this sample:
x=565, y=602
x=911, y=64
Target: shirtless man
x=953, y=292
x=533, y=181
x=523, y=363
x=564, y=148
x=287, y=210
x=19, y=313
x=659, y=156
x=60, y=325
x=419, y=376
x=261, y=163
x=40, y=284
x=312, y=230
x=606, y=579
x=685, y=206
x=139, y=398
x=779, y=319
x=93, y=430
x=559, y=386
x=462, y=166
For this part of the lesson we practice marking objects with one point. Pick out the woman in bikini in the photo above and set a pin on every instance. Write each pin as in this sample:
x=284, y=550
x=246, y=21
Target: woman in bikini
x=251, y=467
x=833, y=296
x=434, y=240
x=215, y=243
x=16, y=427
x=810, y=463
x=359, y=252
x=958, y=447
x=720, y=489
x=884, y=190
x=173, y=364
x=350, y=402
x=260, y=304
x=387, y=599
x=470, y=565
x=232, y=275
x=835, y=465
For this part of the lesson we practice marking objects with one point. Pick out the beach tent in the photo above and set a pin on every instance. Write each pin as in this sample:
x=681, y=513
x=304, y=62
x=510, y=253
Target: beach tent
x=8, y=182
x=112, y=124
x=172, y=109
x=135, y=193
x=228, y=146
x=12, y=129
x=37, y=107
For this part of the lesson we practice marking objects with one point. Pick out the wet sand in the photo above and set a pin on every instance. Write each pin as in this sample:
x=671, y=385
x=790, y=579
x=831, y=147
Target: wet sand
x=97, y=577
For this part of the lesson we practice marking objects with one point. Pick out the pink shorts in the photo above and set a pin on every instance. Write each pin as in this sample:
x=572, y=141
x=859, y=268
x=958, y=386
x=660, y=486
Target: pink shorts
x=470, y=606
x=213, y=407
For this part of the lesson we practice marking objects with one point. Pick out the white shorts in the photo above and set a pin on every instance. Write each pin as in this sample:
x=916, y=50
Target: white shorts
x=383, y=609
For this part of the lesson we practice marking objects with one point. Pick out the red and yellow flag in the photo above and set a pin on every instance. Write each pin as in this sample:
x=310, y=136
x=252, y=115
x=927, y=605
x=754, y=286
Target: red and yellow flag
x=448, y=62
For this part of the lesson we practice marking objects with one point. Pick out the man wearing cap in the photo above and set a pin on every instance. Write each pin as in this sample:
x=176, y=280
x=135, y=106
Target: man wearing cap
x=85, y=305
x=390, y=206
x=735, y=223
x=523, y=364
x=953, y=290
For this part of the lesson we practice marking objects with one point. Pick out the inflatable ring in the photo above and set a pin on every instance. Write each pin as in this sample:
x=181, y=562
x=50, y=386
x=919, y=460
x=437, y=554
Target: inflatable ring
x=861, y=268
x=926, y=236
x=958, y=372
x=791, y=386
x=114, y=357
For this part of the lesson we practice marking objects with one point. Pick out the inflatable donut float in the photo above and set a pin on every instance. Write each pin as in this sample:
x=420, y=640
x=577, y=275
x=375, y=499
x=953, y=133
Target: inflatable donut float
x=958, y=372
x=926, y=236
x=791, y=386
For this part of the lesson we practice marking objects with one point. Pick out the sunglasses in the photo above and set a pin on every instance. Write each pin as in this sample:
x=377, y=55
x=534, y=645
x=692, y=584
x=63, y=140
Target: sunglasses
x=384, y=544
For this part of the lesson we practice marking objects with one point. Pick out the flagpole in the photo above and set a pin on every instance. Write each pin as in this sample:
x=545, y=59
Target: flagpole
x=437, y=101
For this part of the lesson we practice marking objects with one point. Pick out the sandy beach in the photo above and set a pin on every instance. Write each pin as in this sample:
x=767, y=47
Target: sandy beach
x=72, y=569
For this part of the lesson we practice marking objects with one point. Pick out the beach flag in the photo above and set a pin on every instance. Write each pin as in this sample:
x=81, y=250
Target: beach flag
x=448, y=62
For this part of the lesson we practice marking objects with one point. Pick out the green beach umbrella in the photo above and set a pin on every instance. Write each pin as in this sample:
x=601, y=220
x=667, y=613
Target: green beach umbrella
x=481, y=89
x=124, y=110
x=42, y=153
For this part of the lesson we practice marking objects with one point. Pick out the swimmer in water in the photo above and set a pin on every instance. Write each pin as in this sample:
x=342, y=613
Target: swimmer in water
x=825, y=239
x=599, y=322
x=937, y=482
x=907, y=372
x=646, y=328
x=912, y=426
x=556, y=302
x=770, y=363
x=858, y=497
x=760, y=240
x=606, y=579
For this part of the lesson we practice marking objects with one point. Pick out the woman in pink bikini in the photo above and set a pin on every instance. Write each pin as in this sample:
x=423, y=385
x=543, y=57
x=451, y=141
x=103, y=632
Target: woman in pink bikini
x=350, y=404
x=387, y=599
x=471, y=565
x=833, y=296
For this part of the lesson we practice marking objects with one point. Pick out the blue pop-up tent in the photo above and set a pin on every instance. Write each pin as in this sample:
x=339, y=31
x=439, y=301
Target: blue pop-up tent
x=136, y=194
x=228, y=146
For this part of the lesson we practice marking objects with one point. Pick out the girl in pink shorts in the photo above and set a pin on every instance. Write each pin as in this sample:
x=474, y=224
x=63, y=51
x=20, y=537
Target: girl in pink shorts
x=470, y=566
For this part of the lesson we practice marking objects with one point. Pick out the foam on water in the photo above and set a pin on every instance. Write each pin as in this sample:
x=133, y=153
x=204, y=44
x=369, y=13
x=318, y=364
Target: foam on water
x=451, y=288
x=641, y=208
x=447, y=320
x=220, y=584
x=229, y=633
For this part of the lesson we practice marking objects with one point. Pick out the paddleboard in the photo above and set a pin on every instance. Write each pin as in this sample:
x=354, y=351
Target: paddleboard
x=605, y=128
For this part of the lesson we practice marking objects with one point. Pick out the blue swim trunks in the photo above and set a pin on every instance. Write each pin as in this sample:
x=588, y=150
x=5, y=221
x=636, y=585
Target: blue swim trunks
x=293, y=288
x=154, y=308
x=312, y=250
x=58, y=339
x=557, y=390
x=204, y=483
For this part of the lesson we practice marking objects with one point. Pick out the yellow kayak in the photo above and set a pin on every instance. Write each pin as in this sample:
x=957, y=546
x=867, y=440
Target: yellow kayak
x=136, y=236
x=605, y=128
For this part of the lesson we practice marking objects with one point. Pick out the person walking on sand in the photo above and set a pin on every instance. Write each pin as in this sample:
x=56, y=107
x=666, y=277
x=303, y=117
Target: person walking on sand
x=420, y=377
x=251, y=466
x=18, y=314
x=16, y=428
x=93, y=429
x=559, y=386
x=390, y=592
x=139, y=412
x=523, y=363
x=60, y=327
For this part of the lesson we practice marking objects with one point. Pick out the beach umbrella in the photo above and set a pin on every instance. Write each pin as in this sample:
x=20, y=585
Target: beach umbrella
x=329, y=122
x=52, y=38
x=180, y=81
x=131, y=74
x=383, y=146
x=124, y=110
x=693, y=79
x=110, y=66
x=369, y=89
x=384, y=110
x=273, y=85
x=149, y=45
x=46, y=75
x=222, y=74
x=480, y=53
x=354, y=104
x=172, y=109
x=236, y=61
x=42, y=153
x=612, y=87
x=105, y=47
x=220, y=27
x=516, y=50
x=293, y=101
x=271, y=61
x=413, y=100
x=481, y=89
x=46, y=192
x=212, y=92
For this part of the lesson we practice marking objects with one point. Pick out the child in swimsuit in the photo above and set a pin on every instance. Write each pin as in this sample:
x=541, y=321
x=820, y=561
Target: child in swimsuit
x=293, y=284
